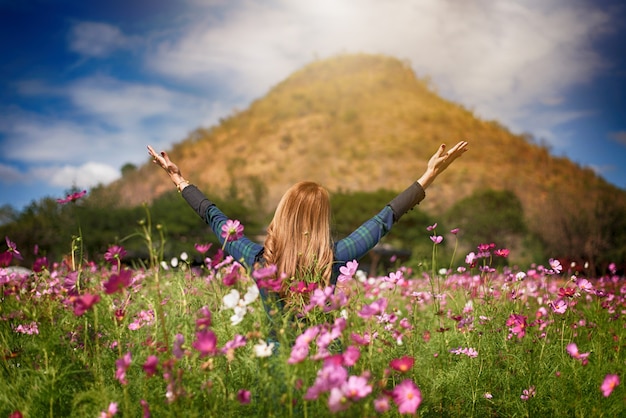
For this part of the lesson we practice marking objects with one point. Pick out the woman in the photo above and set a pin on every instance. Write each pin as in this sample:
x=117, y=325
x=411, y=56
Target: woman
x=299, y=239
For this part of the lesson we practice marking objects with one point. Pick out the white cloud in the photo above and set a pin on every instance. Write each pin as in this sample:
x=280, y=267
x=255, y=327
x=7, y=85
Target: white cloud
x=110, y=121
x=9, y=174
x=499, y=58
x=98, y=40
x=84, y=176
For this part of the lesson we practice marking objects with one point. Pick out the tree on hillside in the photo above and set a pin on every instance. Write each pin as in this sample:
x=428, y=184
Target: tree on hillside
x=489, y=216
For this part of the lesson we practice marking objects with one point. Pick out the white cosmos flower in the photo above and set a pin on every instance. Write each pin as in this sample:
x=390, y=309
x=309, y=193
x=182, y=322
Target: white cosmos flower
x=184, y=256
x=251, y=295
x=164, y=265
x=263, y=349
x=231, y=299
x=174, y=262
x=240, y=313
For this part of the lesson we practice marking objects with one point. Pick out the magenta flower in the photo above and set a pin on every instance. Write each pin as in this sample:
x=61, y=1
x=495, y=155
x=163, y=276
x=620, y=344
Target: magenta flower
x=83, y=303
x=150, y=366
x=243, y=396
x=72, y=197
x=177, y=350
x=572, y=350
x=232, y=230
x=356, y=388
x=12, y=249
x=203, y=248
x=560, y=306
x=236, y=342
x=454, y=231
x=502, y=252
x=114, y=253
x=205, y=343
x=110, y=412
x=204, y=319
x=29, y=329
x=402, y=364
x=122, y=365
x=375, y=308
x=436, y=239
x=145, y=409
x=431, y=227
x=117, y=282
x=517, y=325
x=407, y=396
x=348, y=271
x=350, y=356
x=556, y=266
x=528, y=393
x=381, y=404
x=610, y=382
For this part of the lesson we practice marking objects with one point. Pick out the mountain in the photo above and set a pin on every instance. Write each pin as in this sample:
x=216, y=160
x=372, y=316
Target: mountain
x=366, y=122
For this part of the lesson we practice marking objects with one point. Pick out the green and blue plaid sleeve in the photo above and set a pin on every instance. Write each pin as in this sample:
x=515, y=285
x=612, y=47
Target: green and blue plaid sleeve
x=242, y=250
x=363, y=239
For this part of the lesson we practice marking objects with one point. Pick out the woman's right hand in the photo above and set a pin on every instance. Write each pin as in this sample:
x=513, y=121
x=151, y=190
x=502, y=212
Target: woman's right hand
x=164, y=161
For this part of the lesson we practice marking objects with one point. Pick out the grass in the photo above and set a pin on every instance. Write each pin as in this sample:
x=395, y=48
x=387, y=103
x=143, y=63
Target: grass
x=469, y=357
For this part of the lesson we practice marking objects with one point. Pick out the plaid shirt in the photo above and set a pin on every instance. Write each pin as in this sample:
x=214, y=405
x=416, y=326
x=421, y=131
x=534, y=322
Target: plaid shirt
x=247, y=252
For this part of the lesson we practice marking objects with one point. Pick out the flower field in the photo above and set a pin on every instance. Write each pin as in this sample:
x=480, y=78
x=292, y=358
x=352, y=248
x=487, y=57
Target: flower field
x=98, y=338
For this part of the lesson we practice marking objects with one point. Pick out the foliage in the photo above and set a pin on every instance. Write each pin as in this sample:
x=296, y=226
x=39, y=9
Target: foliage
x=197, y=341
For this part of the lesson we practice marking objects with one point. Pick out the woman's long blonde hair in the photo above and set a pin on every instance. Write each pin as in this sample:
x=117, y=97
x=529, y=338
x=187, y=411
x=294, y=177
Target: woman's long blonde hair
x=298, y=239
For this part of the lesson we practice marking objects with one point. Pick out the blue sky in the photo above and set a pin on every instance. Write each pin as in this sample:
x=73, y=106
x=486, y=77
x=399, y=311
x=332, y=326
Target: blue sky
x=85, y=85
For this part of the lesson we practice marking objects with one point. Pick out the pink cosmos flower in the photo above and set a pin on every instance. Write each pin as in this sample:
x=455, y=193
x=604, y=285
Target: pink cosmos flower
x=83, y=303
x=381, y=405
x=348, y=271
x=431, y=227
x=243, y=396
x=299, y=353
x=471, y=259
x=503, y=252
x=356, y=387
x=29, y=329
x=72, y=197
x=236, y=342
x=436, y=239
x=560, y=306
x=454, y=231
x=150, y=366
x=232, y=230
x=122, y=365
x=556, y=266
x=572, y=350
x=375, y=308
x=204, y=318
x=12, y=248
x=350, y=356
x=203, y=248
x=337, y=401
x=528, y=393
x=584, y=285
x=114, y=253
x=110, y=412
x=610, y=382
x=205, y=343
x=178, y=350
x=117, y=282
x=402, y=364
x=407, y=396
x=145, y=408
x=517, y=325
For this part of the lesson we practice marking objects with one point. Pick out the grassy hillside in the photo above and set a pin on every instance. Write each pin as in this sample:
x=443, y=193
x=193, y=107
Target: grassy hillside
x=364, y=122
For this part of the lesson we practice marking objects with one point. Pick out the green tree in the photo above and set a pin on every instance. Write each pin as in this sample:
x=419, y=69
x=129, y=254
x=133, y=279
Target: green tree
x=489, y=216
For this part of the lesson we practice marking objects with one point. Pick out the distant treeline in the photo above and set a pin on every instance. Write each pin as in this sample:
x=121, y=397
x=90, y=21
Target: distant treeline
x=88, y=228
